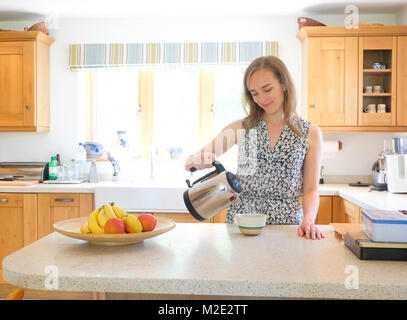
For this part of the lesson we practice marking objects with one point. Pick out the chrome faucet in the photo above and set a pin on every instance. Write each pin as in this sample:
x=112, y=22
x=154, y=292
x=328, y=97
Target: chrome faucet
x=116, y=167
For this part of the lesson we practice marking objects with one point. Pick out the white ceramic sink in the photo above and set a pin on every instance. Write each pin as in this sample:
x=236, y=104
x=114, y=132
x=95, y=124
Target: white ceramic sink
x=143, y=196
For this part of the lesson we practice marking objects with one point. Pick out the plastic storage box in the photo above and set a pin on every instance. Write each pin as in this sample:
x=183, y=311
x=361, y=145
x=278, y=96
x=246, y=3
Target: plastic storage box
x=384, y=226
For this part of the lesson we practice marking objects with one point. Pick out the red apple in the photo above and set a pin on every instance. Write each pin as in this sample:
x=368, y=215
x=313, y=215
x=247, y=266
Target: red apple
x=114, y=225
x=148, y=222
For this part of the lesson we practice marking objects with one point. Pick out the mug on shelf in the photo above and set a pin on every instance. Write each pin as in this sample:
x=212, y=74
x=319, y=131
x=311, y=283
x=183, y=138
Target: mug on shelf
x=368, y=89
x=370, y=108
x=381, y=108
x=377, y=89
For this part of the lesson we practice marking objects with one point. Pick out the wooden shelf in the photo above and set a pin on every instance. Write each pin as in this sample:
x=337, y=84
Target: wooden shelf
x=376, y=70
x=386, y=94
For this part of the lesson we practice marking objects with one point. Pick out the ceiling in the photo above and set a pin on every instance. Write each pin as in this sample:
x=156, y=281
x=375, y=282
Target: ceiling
x=14, y=10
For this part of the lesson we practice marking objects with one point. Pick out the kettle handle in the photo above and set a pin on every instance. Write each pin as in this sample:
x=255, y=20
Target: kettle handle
x=219, y=168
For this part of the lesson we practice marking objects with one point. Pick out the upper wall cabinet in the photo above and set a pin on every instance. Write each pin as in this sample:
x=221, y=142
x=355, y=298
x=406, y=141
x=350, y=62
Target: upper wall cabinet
x=353, y=79
x=24, y=81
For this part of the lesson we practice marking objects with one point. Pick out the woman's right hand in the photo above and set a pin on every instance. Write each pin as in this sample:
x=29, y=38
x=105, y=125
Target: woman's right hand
x=200, y=160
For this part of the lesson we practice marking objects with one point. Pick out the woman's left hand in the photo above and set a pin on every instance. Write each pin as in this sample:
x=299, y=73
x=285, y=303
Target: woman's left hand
x=309, y=230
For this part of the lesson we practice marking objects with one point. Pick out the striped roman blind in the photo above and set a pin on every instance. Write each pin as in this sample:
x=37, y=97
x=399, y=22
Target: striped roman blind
x=87, y=56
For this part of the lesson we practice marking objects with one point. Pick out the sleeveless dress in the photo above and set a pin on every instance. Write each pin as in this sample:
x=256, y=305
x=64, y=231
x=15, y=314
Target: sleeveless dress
x=271, y=180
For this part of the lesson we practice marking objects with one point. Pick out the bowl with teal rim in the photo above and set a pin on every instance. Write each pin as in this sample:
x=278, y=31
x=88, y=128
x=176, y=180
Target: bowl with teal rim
x=251, y=224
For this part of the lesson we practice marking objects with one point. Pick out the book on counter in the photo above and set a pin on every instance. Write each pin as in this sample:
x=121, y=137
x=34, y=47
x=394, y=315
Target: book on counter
x=366, y=249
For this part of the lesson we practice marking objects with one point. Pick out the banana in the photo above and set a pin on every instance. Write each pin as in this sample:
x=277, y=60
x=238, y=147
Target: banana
x=102, y=218
x=120, y=213
x=93, y=224
x=84, y=228
x=109, y=211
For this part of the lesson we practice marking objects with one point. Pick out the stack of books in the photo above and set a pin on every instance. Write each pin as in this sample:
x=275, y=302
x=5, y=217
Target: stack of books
x=383, y=236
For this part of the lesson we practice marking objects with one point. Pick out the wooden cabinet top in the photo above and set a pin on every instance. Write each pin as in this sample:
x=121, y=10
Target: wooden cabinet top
x=342, y=31
x=26, y=36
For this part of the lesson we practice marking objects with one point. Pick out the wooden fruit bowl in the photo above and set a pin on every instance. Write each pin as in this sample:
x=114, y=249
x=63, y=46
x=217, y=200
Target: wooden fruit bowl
x=71, y=228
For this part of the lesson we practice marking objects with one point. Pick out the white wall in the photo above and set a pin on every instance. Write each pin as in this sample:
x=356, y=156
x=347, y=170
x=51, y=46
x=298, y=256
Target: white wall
x=359, y=149
x=401, y=17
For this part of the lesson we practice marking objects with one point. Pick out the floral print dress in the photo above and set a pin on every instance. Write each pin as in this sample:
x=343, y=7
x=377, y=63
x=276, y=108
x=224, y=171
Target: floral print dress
x=271, y=180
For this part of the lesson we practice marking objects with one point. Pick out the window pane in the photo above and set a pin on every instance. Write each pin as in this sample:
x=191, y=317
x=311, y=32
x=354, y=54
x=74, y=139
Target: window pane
x=228, y=107
x=116, y=106
x=176, y=110
x=228, y=96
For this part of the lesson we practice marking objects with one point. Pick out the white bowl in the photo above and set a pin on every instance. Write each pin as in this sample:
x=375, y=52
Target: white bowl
x=251, y=224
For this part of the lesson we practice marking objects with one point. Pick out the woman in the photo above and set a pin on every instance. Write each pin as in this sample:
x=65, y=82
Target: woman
x=279, y=152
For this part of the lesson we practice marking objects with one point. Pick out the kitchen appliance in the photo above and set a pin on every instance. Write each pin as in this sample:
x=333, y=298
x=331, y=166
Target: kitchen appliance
x=212, y=193
x=23, y=171
x=396, y=169
x=379, y=174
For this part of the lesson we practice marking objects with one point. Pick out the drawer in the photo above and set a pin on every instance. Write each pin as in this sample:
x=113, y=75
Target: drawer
x=351, y=210
x=10, y=200
x=64, y=200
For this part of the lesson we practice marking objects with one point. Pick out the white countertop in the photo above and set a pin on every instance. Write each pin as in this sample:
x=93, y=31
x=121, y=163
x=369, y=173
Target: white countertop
x=209, y=259
x=361, y=196
x=51, y=188
x=364, y=198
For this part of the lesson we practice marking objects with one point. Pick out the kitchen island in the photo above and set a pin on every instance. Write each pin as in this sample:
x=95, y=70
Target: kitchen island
x=208, y=261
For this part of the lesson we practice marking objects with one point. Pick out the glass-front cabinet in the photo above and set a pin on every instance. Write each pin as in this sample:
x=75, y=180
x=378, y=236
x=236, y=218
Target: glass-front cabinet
x=377, y=81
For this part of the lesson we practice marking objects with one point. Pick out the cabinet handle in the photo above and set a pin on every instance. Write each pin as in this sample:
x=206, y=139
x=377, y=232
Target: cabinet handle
x=28, y=107
x=3, y=200
x=315, y=106
x=64, y=200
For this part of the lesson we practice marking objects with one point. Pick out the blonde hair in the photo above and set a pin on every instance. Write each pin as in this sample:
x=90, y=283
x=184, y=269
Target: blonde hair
x=255, y=112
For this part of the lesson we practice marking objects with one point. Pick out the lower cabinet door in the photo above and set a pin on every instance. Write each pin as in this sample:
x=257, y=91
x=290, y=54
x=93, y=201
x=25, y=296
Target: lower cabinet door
x=345, y=211
x=54, y=207
x=18, y=222
x=324, y=214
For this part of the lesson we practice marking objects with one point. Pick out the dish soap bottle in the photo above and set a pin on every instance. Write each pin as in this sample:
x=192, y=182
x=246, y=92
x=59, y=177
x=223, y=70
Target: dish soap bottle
x=53, y=168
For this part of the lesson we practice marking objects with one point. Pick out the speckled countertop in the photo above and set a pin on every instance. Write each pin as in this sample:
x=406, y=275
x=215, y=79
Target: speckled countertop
x=209, y=259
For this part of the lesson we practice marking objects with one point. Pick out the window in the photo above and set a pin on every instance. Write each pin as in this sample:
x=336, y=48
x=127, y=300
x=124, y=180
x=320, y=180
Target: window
x=175, y=110
x=176, y=116
x=116, y=108
x=228, y=105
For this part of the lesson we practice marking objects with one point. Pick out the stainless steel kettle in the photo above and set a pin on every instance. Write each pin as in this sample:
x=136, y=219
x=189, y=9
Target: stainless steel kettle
x=212, y=193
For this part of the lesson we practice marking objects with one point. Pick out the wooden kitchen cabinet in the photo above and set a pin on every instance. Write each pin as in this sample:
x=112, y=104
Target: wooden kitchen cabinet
x=220, y=217
x=18, y=222
x=53, y=207
x=181, y=217
x=331, y=80
x=337, y=66
x=371, y=50
x=345, y=211
x=324, y=214
x=401, y=81
x=24, y=81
